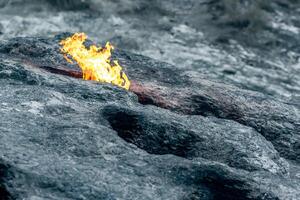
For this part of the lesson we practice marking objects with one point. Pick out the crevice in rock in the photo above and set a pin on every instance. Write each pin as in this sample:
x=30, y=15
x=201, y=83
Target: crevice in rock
x=244, y=107
x=161, y=132
x=130, y=126
x=56, y=70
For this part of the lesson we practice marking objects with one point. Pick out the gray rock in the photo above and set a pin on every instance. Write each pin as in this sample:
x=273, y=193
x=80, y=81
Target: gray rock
x=277, y=121
x=65, y=138
x=161, y=132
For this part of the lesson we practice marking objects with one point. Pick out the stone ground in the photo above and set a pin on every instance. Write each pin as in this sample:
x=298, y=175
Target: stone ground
x=215, y=114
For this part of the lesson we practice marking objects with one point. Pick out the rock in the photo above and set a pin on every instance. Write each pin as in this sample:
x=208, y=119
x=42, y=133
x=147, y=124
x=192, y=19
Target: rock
x=277, y=121
x=161, y=132
x=166, y=138
x=69, y=5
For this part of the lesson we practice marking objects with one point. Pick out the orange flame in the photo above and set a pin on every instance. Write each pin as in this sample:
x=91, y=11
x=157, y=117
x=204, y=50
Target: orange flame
x=94, y=62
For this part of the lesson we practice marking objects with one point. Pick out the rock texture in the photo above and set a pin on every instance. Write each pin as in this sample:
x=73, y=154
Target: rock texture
x=169, y=137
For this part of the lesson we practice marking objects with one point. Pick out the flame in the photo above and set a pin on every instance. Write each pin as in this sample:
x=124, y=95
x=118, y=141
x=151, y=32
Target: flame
x=94, y=62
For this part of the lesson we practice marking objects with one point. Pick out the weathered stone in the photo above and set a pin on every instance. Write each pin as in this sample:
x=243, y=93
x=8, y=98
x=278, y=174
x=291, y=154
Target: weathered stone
x=277, y=121
x=65, y=138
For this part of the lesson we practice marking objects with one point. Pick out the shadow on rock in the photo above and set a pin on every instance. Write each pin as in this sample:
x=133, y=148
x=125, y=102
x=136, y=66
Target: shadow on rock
x=162, y=132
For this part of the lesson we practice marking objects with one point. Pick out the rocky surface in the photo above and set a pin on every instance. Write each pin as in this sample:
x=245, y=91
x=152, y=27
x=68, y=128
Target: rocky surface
x=215, y=114
x=167, y=138
x=253, y=44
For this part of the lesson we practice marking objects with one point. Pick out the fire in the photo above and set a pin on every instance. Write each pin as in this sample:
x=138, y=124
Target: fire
x=95, y=62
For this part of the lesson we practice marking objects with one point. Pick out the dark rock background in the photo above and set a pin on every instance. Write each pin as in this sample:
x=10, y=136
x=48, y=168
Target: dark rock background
x=213, y=111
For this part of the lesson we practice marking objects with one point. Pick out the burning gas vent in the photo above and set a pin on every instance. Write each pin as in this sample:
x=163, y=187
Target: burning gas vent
x=95, y=62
